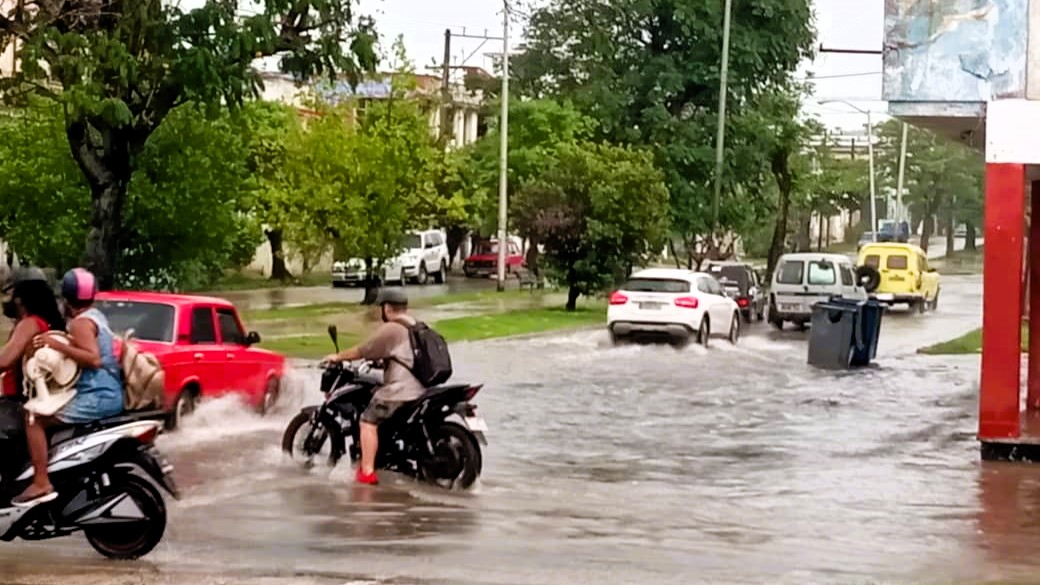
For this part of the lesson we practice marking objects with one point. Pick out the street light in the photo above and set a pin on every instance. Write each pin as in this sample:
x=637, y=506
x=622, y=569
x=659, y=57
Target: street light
x=870, y=156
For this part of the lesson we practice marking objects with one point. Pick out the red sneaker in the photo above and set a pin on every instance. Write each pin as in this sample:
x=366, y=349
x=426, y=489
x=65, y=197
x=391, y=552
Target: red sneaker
x=366, y=478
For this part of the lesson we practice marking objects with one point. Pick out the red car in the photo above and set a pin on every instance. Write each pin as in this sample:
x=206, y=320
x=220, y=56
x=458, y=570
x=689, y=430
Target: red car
x=201, y=345
x=485, y=261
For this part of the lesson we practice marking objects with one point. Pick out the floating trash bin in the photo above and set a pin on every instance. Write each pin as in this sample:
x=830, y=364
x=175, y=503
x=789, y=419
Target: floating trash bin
x=836, y=336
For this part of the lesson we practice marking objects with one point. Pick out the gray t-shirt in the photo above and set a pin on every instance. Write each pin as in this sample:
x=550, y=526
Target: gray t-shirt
x=391, y=342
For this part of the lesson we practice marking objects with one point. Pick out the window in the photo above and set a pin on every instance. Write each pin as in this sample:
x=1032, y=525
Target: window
x=150, y=321
x=713, y=286
x=847, y=278
x=822, y=272
x=896, y=262
x=791, y=272
x=658, y=285
x=411, y=242
x=873, y=261
x=433, y=239
x=202, y=330
x=738, y=275
x=230, y=332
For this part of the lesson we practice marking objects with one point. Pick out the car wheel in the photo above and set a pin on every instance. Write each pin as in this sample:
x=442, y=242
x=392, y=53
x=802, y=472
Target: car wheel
x=270, y=398
x=935, y=301
x=775, y=320
x=747, y=314
x=441, y=275
x=404, y=278
x=423, y=275
x=185, y=405
x=760, y=315
x=734, y=329
x=704, y=334
x=921, y=306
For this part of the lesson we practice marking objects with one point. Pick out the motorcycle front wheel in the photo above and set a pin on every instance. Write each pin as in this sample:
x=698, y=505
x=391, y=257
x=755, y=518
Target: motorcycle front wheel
x=305, y=440
x=456, y=461
x=131, y=540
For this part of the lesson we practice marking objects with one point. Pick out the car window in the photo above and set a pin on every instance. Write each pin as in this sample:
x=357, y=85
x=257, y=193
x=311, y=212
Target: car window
x=513, y=250
x=790, y=272
x=702, y=286
x=202, y=329
x=150, y=321
x=847, y=279
x=739, y=275
x=822, y=272
x=896, y=262
x=411, y=241
x=659, y=285
x=873, y=261
x=713, y=286
x=230, y=331
x=434, y=239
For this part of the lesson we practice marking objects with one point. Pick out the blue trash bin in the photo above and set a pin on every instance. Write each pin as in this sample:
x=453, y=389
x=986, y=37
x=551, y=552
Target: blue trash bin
x=834, y=336
x=870, y=325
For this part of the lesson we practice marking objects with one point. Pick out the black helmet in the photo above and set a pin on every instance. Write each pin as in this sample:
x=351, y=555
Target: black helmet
x=392, y=296
x=24, y=274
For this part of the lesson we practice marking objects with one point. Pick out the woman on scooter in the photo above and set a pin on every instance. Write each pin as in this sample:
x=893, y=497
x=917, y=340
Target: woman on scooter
x=31, y=304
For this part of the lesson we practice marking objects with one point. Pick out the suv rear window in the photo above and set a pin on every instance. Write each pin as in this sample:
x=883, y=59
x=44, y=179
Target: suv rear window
x=736, y=274
x=897, y=262
x=657, y=285
x=873, y=261
x=822, y=272
x=791, y=272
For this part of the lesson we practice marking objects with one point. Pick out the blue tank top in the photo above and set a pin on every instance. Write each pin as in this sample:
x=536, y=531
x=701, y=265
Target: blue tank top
x=109, y=375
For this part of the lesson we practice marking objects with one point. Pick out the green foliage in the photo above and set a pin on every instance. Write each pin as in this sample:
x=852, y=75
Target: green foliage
x=648, y=74
x=119, y=69
x=599, y=210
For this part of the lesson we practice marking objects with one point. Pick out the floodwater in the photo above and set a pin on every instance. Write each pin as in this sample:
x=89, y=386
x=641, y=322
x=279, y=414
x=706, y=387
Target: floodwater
x=624, y=465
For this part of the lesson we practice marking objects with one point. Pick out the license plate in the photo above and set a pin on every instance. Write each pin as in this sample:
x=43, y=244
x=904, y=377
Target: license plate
x=650, y=306
x=790, y=308
x=886, y=297
x=476, y=423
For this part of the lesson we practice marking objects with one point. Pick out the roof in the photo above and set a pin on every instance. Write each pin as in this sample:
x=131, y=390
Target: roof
x=816, y=256
x=893, y=246
x=160, y=297
x=665, y=273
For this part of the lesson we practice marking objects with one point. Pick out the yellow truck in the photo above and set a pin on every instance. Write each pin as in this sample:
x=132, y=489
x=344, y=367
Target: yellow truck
x=898, y=274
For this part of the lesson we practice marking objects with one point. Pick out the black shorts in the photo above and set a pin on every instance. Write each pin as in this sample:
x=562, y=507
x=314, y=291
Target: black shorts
x=378, y=411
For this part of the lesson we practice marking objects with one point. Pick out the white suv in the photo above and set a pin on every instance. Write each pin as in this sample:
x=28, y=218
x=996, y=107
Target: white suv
x=424, y=254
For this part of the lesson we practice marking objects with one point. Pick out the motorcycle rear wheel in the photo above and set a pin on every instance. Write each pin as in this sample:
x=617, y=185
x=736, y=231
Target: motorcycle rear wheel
x=456, y=460
x=296, y=445
x=128, y=541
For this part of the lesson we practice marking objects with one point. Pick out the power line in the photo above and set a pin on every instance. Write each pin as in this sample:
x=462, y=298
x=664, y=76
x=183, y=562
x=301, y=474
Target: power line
x=840, y=75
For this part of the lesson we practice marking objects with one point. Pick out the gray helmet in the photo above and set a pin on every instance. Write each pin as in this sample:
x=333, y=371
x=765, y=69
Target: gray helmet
x=24, y=274
x=392, y=296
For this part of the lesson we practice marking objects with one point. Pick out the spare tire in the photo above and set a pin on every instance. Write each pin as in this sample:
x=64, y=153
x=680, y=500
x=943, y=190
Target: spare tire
x=868, y=277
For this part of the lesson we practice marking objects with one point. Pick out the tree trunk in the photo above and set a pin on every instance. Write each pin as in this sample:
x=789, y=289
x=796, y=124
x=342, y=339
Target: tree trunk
x=106, y=221
x=819, y=232
x=805, y=234
x=572, y=298
x=531, y=260
x=279, y=271
x=671, y=250
x=950, y=248
x=926, y=232
x=456, y=235
x=969, y=237
x=372, y=284
x=776, y=247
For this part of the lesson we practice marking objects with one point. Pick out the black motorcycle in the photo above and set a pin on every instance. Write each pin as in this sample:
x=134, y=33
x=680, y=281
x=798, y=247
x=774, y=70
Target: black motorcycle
x=436, y=438
x=105, y=474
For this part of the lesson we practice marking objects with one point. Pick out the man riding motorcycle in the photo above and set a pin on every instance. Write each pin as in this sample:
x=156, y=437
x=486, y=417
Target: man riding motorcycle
x=392, y=344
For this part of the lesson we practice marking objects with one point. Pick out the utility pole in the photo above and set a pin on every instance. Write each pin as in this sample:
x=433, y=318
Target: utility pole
x=721, y=139
x=503, y=175
x=902, y=170
x=446, y=124
x=873, y=196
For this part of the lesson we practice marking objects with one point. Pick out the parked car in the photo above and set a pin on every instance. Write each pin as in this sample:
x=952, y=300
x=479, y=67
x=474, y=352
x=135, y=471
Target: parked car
x=892, y=231
x=673, y=304
x=866, y=238
x=484, y=260
x=202, y=346
x=802, y=280
x=422, y=254
x=896, y=273
x=741, y=283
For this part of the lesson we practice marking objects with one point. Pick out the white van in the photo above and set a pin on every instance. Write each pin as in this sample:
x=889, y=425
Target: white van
x=802, y=280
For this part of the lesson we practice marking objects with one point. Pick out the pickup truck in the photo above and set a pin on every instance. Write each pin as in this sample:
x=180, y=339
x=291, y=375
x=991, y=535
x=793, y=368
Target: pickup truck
x=202, y=346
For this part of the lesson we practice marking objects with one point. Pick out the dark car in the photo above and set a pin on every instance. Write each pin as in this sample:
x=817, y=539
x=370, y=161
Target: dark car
x=743, y=285
x=894, y=232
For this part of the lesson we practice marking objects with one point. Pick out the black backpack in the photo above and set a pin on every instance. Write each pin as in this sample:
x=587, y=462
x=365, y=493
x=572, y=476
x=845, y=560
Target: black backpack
x=431, y=361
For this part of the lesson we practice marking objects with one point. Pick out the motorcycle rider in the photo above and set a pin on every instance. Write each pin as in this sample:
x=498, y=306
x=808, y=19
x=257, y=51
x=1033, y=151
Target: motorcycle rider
x=34, y=309
x=99, y=390
x=392, y=344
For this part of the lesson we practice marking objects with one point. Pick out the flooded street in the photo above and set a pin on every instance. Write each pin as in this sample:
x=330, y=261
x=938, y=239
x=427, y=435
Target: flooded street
x=621, y=465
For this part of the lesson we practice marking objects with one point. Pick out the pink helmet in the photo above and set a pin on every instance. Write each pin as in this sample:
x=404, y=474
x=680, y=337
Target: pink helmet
x=79, y=286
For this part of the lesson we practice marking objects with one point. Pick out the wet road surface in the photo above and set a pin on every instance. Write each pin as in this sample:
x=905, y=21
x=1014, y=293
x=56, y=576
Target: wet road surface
x=635, y=464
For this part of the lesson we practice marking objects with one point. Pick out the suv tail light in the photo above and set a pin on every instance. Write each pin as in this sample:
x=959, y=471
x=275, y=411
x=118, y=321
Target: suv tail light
x=742, y=302
x=687, y=302
x=618, y=299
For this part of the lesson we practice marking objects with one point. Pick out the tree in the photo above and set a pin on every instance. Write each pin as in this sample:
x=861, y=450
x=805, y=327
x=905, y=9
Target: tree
x=648, y=73
x=118, y=69
x=189, y=173
x=599, y=210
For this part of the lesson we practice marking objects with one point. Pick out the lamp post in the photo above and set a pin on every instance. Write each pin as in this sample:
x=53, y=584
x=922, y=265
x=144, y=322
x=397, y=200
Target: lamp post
x=870, y=156
x=503, y=172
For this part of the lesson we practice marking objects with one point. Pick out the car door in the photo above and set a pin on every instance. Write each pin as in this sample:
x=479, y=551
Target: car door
x=718, y=305
x=242, y=372
x=207, y=355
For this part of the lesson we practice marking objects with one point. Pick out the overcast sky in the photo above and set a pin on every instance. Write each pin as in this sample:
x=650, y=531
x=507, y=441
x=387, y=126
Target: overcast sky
x=846, y=24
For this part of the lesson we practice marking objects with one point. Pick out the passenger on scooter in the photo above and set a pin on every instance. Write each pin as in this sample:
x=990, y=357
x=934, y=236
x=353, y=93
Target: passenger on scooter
x=35, y=310
x=99, y=390
x=391, y=343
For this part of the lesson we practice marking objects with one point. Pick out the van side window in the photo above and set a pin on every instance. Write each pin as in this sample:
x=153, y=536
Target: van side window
x=896, y=262
x=822, y=273
x=791, y=272
x=846, y=276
